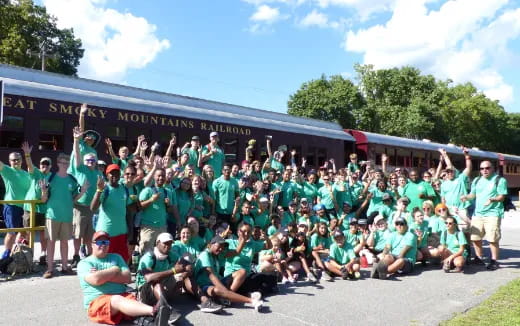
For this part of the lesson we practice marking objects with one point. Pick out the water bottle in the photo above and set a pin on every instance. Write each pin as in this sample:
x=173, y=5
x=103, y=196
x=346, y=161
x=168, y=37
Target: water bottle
x=135, y=260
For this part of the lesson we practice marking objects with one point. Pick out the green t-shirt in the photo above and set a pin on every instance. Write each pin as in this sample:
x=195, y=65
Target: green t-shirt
x=193, y=247
x=343, y=194
x=487, y=188
x=453, y=241
x=327, y=196
x=61, y=197
x=288, y=218
x=342, y=255
x=184, y=204
x=216, y=160
x=155, y=214
x=380, y=239
x=452, y=190
x=309, y=221
x=412, y=190
x=112, y=210
x=424, y=228
x=271, y=230
x=353, y=167
x=276, y=165
x=35, y=191
x=310, y=191
x=122, y=163
x=225, y=193
x=17, y=183
x=198, y=204
x=194, y=158
x=83, y=150
x=398, y=241
x=286, y=194
x=346, y=220
x=91, y=292
x=244, y=259
x=82, y=174
x=353, y=238
x=205, y=260
x=261, y=219
x=317, y=240
x=147, y=262
x=356, y=188
x=377, y=199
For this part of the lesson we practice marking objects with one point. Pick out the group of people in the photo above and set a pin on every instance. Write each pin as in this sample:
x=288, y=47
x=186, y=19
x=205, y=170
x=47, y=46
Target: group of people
x=188, y=222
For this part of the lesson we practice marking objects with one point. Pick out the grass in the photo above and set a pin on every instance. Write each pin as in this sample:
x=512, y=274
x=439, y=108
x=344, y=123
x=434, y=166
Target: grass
x=502, y=308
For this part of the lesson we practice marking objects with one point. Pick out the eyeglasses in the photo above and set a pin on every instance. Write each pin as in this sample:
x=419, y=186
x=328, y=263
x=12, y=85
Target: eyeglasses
x=100, y=243
x=130, y=174
x=45, y=163
x=426, y=208
x=400, y=224
x=442, y=209
x=326, y=179
x=404, y=203
x=449, y=223
x=90, y=160
x=14, y=159
x=485, y=168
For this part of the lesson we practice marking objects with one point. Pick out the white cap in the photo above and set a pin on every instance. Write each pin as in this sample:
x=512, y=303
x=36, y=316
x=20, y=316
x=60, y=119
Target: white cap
x=213, y=134
x=101, y=162
x=164, y=237
x=263, y=200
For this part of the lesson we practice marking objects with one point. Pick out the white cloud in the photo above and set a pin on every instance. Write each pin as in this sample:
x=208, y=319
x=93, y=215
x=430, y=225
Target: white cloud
x=114, y=42
x=266, y=14
x=462, y=40
x=364, y=8
x=315, y=19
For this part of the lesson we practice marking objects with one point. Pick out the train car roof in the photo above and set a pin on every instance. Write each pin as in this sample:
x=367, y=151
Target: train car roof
x=35, y=83
x=364, y=137
x=510, y=158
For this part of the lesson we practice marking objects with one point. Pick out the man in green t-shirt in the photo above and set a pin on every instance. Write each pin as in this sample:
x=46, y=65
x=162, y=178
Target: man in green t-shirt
x=417, y=190
x=213, y=154
x=17, y=183
x=103, y=278
x=489, y=191
x=193, y=149
x=225, y=190
x=399, y=254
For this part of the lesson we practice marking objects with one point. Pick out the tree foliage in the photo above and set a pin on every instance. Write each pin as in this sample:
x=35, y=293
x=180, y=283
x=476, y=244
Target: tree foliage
x=333, y=99
x=403, y=102
x=27, y=31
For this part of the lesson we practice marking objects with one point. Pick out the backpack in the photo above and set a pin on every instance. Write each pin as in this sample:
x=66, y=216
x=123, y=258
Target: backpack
x=508, y=203
x=154, y=262
x=106, y=191
x=53, y=174
x=22, y=262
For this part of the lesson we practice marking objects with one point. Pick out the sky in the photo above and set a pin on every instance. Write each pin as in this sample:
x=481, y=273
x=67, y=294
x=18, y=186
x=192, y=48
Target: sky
x=257, y=53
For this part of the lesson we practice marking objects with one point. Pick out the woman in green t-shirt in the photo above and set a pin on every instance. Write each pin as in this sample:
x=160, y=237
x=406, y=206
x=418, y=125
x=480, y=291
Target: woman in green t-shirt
x=452, y=247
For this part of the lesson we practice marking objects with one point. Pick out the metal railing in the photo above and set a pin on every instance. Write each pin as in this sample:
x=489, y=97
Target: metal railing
x=31, y=229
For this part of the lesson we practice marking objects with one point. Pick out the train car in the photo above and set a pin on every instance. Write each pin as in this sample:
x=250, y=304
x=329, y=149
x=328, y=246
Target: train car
x=43, y=108
x=510, y=166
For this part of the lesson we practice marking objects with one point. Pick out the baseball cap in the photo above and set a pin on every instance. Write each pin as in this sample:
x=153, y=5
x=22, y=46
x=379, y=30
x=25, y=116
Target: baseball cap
x=217, y=239
x=164, y=237
x=195, y=138
x=401, y=220
x=112, y=167
x=362, y=221
x=213, y=134
x=378, y=219
x=353, y=221
x=386, y=196
x=404, y=199
x=100, y=234
x=284, y=230
x=337, y=233
x=263, y=200
x=293, y=203
x=101, y=162
x=46, y=159
x=317, y=207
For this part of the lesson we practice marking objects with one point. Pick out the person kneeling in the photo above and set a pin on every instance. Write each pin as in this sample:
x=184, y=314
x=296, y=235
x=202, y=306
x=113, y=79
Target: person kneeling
x=453, y=247
x=343, y=261
x=103, y=278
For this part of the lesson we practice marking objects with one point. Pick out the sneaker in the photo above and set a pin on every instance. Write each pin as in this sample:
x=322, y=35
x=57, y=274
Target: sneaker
x=162, y=316
x=493, y=265
x=344, y=274
x=256, y=295
x=143, y=321
x=257, y=305
x=446, y=267
x=67, y=271
x=374, y=273
x=6, y=253
x=325, y=276
x=225, y=302
x=47, y=274
x=292, y=279
x=210, y=306
x=382, y=270
x=285, y=280
x=43, y=260
x=174, y=316
x=357, y=275
x=478, y=261
x=75, y=261
x=312, y=278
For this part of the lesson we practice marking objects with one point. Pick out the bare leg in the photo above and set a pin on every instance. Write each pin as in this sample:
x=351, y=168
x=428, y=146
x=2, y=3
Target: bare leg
x=238, y=279
x=77, y=245
x=495, y=250
x=477, y=244
x=229, y=295
x=51, y=245
x=9, y=241
x=64, y=251
x=129, y=307
x=43, y=241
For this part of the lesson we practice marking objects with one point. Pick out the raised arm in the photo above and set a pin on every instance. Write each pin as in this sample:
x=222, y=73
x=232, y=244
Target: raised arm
x=439, y=168
x=100, y=187
x=333, y=165
x=140, y=139
x=269, y=151
x=467, y=158
x=26, y=148
x=447, y=160
x=82, y=112
x=77, y=134
x=171, y=145
x=384, y=163
x=113, y=155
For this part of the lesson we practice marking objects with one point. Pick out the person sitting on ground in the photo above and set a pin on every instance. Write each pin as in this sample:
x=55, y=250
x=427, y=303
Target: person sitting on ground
x=377, y=239
x=298, y=255
x=343, y=261
x=320, y=245
x=399, y=254
x=452, y=247
x=103, y=278
x=163, y=272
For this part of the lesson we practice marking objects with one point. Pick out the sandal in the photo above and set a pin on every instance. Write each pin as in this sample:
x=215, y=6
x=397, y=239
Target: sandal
x=446, y=267
x=47, y=274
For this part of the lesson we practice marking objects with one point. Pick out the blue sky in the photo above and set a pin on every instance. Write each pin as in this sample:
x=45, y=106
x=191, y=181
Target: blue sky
x=258, y=52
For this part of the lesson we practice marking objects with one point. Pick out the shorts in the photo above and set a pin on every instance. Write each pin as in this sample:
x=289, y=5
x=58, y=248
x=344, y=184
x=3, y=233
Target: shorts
x=169, y=288
x=133, y=231
x=407, y=267
x=82, y=222
x=55, y=230
x=119, y=245
x=99, y=310
x=486, y=228
x=148, y=235
x=324, y=257
x=39, y=219
x=13, y=216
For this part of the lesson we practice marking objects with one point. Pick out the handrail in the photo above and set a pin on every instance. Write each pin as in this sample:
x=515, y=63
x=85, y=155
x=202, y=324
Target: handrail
x=32, y=217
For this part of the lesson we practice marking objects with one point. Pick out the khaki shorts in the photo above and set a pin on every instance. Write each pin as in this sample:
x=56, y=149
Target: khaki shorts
x=39, y=219
x=148, y=235
x=55, y=230
x=82, y=222
x=485, y=228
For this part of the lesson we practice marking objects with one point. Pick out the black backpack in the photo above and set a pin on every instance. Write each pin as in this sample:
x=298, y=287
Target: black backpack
x=53, y=174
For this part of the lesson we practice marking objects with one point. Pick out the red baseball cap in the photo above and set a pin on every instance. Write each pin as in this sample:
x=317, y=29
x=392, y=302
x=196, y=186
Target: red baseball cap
x=112, y=167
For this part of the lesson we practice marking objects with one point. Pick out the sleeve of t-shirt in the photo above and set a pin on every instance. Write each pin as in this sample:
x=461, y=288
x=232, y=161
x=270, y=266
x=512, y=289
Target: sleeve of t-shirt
x=121, y=263
x=7, y=172
x=173, y=196
x=84, y=268
x=443, y=237
x=502, y=186
x=145, y=194
x=410, y=239
x=462, y=238
x=314, y=240
x=205, y=260
x=474, y=186
x=145, y=262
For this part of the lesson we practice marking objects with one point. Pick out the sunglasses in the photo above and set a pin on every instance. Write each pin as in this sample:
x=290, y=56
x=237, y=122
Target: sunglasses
x=90, y=160
x=100, y=243
x=449, y=223
x=45, y=163
x=400, y=224
x=485, y=168
x=326, y=179
x=15, y=160
x=130, y=174
x=442, y=209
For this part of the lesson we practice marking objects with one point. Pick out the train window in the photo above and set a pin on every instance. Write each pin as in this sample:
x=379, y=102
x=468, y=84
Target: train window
x=322, y=156
x=114, y=132
x=311, y=157
x=263, y=153
x=297, y=157
x=51, y=135
x=11, y=133
x=230, y=146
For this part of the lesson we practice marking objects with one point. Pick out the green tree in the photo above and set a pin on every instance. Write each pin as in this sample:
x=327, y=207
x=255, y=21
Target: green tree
x=27, y=31
x=513, y=126
x=330, y=99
